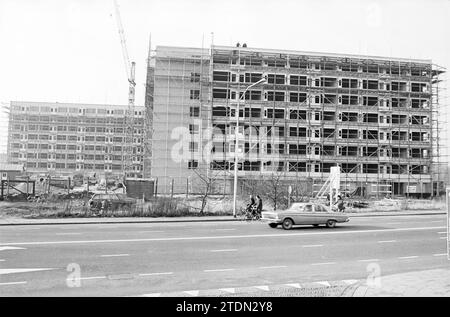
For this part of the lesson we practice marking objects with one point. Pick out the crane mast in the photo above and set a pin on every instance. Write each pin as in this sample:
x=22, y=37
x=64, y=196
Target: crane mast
x=130, y=68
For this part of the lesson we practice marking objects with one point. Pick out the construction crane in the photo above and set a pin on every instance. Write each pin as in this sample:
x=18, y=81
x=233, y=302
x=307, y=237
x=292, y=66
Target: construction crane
x=130, y=68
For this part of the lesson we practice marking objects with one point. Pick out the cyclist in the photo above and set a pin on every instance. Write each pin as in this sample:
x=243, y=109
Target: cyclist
x=250, y=204
x=259, y=205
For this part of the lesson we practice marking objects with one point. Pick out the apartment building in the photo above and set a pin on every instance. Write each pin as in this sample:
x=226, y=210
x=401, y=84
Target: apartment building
x=375, y=117
x=63, y=139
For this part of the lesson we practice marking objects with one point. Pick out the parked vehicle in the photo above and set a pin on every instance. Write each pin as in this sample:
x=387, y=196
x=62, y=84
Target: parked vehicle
x=304, y=214
x=111, y=201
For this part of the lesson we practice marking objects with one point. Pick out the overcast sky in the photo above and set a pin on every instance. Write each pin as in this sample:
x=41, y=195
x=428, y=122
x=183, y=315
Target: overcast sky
x=69, y=50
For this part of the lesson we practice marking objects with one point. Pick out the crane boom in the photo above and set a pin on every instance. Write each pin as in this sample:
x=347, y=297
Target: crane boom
x=123, y=41
x=130, y=69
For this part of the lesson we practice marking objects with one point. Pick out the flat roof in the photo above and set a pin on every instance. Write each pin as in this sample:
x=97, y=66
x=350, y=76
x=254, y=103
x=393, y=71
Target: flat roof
x=193, y=50
x=293, y=52
x=68, y=104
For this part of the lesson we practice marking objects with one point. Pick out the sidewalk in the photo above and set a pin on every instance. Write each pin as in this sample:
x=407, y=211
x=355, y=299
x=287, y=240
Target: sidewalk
x=5, y=221
x=429, y=283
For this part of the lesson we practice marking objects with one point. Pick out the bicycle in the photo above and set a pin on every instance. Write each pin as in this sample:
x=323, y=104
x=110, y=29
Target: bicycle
x=249, y=214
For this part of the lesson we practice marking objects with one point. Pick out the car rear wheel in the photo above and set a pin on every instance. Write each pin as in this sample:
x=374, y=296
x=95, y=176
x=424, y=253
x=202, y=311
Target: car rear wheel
x=331, y=223
x=273, y=225
x=287, y=224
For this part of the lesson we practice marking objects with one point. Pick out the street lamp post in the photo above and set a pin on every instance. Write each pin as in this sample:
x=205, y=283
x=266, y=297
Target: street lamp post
x=236, y=146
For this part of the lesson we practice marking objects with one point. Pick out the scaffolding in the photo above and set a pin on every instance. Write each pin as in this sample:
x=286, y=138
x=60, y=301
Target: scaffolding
x=374, y=117
x=148, y=114
x=438, y=147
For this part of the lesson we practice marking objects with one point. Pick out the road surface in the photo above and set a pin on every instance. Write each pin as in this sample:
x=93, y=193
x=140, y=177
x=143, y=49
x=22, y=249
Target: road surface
x=165, y=258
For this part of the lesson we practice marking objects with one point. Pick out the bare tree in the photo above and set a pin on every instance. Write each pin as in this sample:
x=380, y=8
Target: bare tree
x=207, y=186
x=250, y=186
x=301, y=189
x=274, y=189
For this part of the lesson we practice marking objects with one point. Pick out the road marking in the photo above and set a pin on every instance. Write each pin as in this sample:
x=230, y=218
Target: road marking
x=218, y=270
x=92, y=278
x=435, y=221
x=151, y=231
x=262, y=287
x=349, y=282
x=272, y=267
x=369, y=260
x=224, y=250
x=387, y=241
x=152, y=274
x=408, y=257
x=14, y=283
x=113, y=255
x=440, y=254
x=312, y=245
x=11, y=248
x=192, y=293
x=2, y=260
x=224, y=229
x=69, y=228
x=228, y=290
x=67, y=233
x=442, y=232
x=152, y=295
x=325, y=283
x=324, y=263
x=279, y=235
x=12, y=271
x=295, y=285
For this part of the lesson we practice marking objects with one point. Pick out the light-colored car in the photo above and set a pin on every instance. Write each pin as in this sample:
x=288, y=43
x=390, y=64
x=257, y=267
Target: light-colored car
x=304, y=214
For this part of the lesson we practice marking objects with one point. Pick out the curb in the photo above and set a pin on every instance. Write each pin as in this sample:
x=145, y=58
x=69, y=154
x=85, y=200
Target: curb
x=287, y=289
x=38, y=222
x=203, y=219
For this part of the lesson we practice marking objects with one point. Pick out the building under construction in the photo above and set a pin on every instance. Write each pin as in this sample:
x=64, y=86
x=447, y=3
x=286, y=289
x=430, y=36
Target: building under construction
x=64, y=139
x=375, y=117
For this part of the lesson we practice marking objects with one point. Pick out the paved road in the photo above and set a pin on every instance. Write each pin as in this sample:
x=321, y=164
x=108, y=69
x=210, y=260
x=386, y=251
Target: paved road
x=138, y=259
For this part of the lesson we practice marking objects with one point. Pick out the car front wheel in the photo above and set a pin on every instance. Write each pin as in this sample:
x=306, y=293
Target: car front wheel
x=331, y=223
x=287, y=224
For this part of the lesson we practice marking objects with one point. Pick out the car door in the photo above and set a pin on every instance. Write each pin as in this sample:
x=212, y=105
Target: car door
x=304, y=216
x=320, y=214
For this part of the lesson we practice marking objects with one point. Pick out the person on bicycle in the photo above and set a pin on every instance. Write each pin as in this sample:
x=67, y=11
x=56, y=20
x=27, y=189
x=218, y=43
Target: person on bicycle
x=251, y=204
x=259, y=205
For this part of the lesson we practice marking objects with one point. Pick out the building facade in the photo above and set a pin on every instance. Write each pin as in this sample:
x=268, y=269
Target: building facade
x=375, y=117
x=64, y=139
